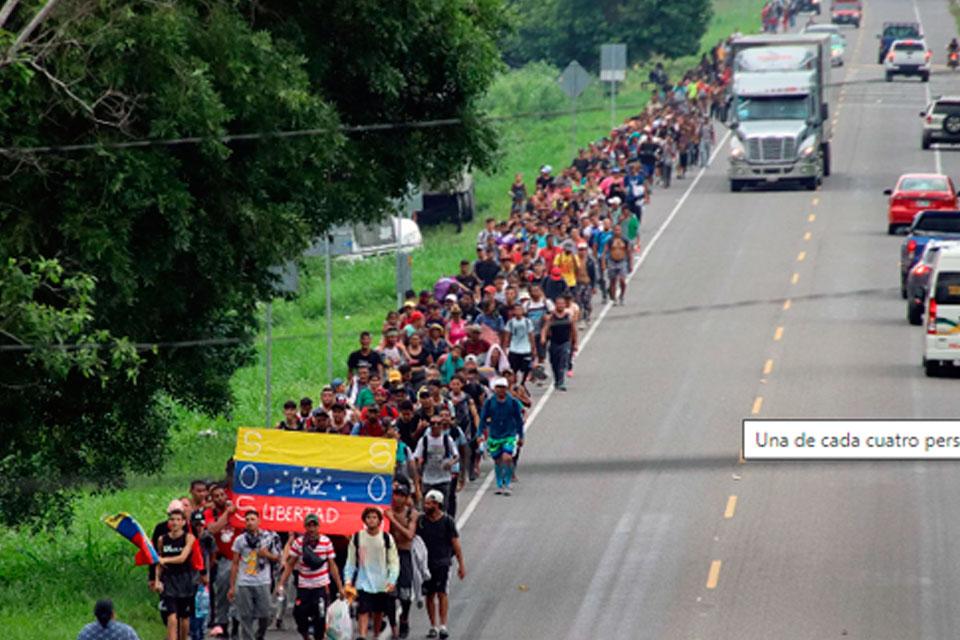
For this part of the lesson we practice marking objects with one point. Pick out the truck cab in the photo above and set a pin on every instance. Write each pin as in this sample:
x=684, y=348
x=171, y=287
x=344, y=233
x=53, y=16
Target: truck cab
x=896, y=31
x=846, y=12
x=779, y=113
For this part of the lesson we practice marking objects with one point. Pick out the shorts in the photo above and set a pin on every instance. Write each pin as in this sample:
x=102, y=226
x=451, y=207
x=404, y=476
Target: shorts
x=438, y=580
x=372, y=602
x=496, y=447
x=519, y=362
x=617, y=269
x=183, y=607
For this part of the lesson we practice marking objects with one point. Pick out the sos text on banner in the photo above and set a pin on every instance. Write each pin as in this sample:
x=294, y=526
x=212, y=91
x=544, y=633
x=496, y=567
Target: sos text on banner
x=285, y=475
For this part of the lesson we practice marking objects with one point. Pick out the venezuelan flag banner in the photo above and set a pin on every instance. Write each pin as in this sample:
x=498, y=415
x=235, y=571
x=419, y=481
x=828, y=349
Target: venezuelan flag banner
x=124, y=524
x=285, y=475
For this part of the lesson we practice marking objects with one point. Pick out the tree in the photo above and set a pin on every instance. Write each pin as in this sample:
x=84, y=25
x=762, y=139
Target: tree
x=174, y=242
x=559, y=31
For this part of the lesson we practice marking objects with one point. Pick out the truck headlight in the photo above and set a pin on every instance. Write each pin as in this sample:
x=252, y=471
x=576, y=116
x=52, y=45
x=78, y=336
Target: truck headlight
x=736, y=150
x=808, y=147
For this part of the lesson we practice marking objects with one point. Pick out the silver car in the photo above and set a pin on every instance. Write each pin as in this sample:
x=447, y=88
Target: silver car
x=941, y=121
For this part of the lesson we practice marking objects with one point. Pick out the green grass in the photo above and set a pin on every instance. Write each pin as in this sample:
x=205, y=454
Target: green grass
x=48, y=584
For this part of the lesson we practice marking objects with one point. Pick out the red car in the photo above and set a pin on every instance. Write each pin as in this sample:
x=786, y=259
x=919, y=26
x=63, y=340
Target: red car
x=916, y=192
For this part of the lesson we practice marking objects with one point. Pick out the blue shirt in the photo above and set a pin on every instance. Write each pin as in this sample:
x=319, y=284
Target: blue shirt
x=495, y=322
x=113, y=631
x=502, y=419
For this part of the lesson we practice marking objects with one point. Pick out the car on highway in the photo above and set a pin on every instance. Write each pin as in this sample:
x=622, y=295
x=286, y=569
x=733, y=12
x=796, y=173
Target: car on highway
x=941, y=121
x=825, y=28
x=908, y=58
x=941, y=343
x=837, y=47
x=808, y=6
x=928, y=226
x=896, y=31
x=846, y=12
x=918, y=278
x=916, y=192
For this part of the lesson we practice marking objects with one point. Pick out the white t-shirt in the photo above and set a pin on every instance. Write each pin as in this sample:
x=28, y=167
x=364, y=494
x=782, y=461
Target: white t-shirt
x=433, y=452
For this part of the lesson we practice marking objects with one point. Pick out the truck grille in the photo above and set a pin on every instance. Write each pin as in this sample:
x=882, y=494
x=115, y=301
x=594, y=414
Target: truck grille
x=772, y=149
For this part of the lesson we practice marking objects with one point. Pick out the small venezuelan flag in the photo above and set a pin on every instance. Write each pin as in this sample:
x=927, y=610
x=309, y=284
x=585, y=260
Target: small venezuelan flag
x=124, y=524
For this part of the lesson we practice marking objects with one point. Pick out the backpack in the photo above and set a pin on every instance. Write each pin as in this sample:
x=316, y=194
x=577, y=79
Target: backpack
x=461, y=411
x=442, y=287
x=448, y=448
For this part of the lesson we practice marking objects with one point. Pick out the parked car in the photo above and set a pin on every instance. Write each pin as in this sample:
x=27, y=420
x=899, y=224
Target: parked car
x=918, y=278
x=916, y=192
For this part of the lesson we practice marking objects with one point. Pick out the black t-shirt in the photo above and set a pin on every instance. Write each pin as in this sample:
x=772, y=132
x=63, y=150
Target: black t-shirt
x=470, y=281
x=487, y=271
x=476, y=391
x=358, y=359
x=179, y=580
x=470, y=313
x=544, y=181
x=438, y=537
x=581, y=164
x=159, y=531
x=406, y=429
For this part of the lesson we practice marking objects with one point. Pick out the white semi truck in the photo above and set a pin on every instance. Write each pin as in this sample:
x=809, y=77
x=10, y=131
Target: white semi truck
x=779, y=113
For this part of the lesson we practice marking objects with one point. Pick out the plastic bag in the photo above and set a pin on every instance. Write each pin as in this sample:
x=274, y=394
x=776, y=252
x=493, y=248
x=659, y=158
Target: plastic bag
x=339, y=624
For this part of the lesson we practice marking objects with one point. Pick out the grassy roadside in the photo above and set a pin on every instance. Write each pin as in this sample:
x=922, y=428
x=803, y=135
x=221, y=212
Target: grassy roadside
x=48, y=584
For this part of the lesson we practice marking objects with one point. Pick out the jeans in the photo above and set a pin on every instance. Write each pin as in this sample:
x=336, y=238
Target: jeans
x=665, y=175
x=253, y=609
x=309, y=611
x=559, y=361
x=198, y=628
x=704, y=152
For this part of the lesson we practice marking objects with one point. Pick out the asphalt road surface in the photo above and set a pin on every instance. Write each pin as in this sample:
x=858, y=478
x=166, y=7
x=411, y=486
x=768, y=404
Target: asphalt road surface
x=624, y=524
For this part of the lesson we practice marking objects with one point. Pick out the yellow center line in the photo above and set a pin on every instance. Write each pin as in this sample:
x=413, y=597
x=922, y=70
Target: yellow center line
x=756, y=405
x=816, y=201
x=768, y=367
x=812, y=217
x=778, y=333
x=786, y=304
x=731, y=507
x=806, y=236
x=801, y=256
x=795, y=278
x=835, y=122
x=714, y=576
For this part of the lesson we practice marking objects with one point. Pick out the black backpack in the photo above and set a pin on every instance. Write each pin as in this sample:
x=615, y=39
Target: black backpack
x=356, y=546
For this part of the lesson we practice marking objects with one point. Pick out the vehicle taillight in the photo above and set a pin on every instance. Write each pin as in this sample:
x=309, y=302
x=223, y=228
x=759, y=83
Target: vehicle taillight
x=932, y=317
x=929, y=119
x=890, y=57
x=927, y=55
x=920, y=270
x=911, y=248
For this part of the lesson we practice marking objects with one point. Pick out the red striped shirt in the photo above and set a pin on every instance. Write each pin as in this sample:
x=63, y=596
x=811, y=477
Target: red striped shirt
x=313, y=578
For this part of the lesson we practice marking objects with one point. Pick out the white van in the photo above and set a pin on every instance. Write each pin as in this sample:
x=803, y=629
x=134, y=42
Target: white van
x=942, y=313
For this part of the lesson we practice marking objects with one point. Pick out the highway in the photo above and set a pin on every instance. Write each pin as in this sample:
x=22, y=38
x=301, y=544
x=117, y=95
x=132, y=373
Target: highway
x=635, y=518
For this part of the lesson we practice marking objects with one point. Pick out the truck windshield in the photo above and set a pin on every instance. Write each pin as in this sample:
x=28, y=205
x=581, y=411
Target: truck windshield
x=900, y=31
x=778, y=108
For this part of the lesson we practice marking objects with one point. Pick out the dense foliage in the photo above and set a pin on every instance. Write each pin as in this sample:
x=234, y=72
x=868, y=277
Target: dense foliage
x=167, y=243
x=559, y=31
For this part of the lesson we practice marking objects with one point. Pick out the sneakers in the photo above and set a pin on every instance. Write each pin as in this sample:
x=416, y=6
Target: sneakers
x=432, y=633
x=507, y=491
x=570, y=373
x=217, y=631
x=404, y=628
x=561, y=387
x=443, y=632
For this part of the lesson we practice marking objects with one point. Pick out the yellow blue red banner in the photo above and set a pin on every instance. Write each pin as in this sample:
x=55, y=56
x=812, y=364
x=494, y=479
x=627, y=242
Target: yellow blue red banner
x=285, y=475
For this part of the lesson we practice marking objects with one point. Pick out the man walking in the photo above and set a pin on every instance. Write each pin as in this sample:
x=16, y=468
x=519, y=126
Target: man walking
x=439, y=534
x=436, y=453
x=559, y=336
x=502, y=422
x=403, y=526
x=250, y=585
x=619, y=264
x=372, y=567
x=313, y=558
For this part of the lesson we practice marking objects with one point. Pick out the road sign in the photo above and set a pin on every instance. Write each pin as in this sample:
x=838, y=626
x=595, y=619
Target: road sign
x=613, y=62
x=574, y=80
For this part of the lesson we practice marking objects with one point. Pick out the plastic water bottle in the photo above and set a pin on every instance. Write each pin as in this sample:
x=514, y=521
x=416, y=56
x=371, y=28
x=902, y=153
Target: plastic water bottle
x=201, y=602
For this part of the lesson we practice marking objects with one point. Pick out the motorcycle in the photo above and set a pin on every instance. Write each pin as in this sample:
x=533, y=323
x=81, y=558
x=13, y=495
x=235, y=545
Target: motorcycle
x=953, y=60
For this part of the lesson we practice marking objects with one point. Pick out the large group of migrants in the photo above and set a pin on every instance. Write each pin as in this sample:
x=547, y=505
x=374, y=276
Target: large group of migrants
x=449, y=375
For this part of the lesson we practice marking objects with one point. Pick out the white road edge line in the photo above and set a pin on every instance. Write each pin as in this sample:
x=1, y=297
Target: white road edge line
x=938, y=164
x=465, y=516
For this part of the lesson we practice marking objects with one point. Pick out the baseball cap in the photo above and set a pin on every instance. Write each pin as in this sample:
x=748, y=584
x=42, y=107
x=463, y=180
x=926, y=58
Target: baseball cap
x=311, y=518
x=452, y=297
x=556, y=273
x=470, y=358
x=568, y=245
x=409, y=303
x=416, y=315
x=320, y=413
x=336, y=382
x=490, y=289
x=341, y=399
x=500, y=382
x=614, y=200
x=546, y=169
x=434, y=495
x=394, y=376
x=175, y=505
x=435, y=325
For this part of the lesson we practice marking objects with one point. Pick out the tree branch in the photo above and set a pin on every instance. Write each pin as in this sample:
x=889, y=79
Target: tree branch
x=29, y=29
x=6, y=10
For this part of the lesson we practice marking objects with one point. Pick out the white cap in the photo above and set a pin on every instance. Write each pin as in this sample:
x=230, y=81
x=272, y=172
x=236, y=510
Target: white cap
x=470, y=358
x=500, y=382
x=434, y=495
x=451, y=296
x=615, y=200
